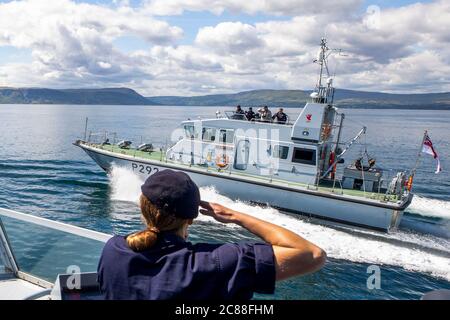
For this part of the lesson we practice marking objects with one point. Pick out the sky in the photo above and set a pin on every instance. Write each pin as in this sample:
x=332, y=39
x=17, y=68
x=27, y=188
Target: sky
x=197, y=47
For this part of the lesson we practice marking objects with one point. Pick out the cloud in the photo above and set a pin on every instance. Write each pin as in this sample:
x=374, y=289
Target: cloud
x=229, y=38
x=277, y=8
x=71, y=41
x=403, y=49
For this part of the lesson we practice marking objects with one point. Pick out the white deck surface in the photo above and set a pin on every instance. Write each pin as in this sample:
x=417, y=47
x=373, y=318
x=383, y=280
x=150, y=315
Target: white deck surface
x=17, y=289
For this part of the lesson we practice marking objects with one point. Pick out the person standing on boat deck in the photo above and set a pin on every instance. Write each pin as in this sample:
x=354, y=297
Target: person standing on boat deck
x=239, y=114
x=280, y=116
x=250, y=114
x=265, y=114
x=158, y=262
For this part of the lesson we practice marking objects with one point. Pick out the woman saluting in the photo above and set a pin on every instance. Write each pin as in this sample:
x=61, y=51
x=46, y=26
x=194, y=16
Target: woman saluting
x=158, y=262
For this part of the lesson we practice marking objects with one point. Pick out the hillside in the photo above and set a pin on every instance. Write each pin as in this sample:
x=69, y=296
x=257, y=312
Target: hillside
x=287, y=98
x=113, y=96
x=297, y=98
x=273, y=98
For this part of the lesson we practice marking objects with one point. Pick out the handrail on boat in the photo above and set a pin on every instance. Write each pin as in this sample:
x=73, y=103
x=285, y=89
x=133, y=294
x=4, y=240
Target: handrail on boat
x=372, y=196
x=55, y=225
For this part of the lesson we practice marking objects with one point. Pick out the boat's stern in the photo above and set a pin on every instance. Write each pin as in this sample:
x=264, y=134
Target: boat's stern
x=397, y=214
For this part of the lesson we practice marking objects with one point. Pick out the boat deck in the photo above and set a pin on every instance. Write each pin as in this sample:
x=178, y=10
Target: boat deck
x=160, y=157
x=12, y=288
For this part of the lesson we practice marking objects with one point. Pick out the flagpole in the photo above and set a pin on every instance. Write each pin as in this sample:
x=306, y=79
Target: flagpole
x=413, y=171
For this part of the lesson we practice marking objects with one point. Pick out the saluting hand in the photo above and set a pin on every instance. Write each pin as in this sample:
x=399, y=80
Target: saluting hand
x=218, y=212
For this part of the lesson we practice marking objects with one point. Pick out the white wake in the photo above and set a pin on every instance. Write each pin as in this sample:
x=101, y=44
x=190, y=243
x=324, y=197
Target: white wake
x=126, y=186
x=427, y=254
x=430, y=207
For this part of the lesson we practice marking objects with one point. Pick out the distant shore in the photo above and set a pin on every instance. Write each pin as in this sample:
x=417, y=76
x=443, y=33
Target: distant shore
x=273, y=98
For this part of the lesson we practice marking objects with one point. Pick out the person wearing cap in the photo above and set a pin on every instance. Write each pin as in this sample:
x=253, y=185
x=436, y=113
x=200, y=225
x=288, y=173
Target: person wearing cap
x=280, y=116
x=239, y=114
x=159, y=262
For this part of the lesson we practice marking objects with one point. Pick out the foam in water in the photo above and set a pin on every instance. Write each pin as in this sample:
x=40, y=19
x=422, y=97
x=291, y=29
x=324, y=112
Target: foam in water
x=430, y=207
x=338, y=244
x=126, y=186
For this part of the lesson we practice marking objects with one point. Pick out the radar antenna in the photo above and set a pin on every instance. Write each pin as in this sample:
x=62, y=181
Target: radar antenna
x=324, y=94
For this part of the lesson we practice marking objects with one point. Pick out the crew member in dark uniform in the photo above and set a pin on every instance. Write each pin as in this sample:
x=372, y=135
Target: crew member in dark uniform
x=158, y=262
x=250, y=114
x=280, y=116
x=239, y=114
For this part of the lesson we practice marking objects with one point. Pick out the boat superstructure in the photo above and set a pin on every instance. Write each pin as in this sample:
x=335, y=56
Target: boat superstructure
x=290, y=165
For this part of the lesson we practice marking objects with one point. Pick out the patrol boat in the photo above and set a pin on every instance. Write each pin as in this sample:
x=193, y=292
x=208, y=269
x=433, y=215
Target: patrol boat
x=291, y=166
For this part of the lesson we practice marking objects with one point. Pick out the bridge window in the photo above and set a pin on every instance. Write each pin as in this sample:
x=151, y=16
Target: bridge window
x=190, y=132
x=305, y=156
x=226, y=136
x=280, y=152
x=209, y=134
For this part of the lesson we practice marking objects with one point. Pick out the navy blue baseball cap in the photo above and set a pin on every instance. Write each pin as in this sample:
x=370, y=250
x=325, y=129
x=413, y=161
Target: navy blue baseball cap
x=174, y=192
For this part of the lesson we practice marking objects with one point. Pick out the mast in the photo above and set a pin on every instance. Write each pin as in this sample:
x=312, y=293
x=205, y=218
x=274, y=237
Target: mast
x=321, y=60
x=409, y=183
x=85, y=129
x=339, y=156
x=413, y=171
x=324, y=93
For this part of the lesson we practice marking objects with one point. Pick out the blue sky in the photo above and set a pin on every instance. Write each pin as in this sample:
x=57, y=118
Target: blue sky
x=200, y=47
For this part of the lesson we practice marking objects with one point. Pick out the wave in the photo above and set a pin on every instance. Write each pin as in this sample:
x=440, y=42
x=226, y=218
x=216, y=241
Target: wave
x=126, y=186
x=413, y=252
x=430, y=207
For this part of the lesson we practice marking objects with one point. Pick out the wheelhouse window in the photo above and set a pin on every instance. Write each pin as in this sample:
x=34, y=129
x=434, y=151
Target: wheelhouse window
x=280, y=152
x=190, y=132
x=209, y=134
x=305, y=156
x=226, y=136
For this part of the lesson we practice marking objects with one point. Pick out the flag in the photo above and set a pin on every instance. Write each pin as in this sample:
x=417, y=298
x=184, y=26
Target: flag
x=428, y=148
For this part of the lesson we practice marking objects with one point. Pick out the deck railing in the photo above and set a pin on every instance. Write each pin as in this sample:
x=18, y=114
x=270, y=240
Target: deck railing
x=160, y=156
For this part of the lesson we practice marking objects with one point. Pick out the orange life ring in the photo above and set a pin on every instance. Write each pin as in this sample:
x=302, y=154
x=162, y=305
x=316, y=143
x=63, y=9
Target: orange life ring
x=326, y=131
x=222, y=161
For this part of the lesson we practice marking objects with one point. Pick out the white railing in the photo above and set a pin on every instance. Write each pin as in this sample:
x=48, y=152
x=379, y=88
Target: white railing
x=55, y=225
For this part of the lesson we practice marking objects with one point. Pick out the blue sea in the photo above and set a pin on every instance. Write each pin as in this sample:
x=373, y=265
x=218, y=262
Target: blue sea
x=43, y=174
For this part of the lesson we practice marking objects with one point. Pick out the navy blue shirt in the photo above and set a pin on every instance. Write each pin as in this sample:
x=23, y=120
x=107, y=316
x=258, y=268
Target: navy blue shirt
x=176, y=269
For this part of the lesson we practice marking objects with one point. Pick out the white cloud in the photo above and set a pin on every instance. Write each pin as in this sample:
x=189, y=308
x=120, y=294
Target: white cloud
x=74, y=40
x=284, y=7
x=229, y=38
x=407, y=51
x=401, y=50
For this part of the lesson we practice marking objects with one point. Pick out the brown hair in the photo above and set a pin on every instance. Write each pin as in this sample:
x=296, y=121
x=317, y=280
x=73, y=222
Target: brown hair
x=157, y=220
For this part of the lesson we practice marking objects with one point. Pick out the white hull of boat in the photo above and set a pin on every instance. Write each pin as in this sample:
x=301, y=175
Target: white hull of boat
x=339, y=208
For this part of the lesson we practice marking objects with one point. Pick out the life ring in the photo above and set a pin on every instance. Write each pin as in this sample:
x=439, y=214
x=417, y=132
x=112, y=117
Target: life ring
x=332, y=158
x=326, y=131
x=222, y=161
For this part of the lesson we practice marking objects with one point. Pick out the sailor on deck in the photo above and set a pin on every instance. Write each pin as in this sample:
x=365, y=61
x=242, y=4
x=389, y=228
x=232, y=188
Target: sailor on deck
x=250, y=114
x=280, y=116
x=265, y=114
x=158, y=262
x=239, y=114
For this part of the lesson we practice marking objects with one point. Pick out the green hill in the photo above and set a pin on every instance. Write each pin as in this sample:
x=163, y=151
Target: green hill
x=113, y=96
x=297, y=98
x=273, y=98
x=287, y=98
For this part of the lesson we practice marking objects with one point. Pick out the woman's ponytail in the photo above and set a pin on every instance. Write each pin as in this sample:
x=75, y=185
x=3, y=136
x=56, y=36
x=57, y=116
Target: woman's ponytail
x=156, y=220
x=142, y=240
